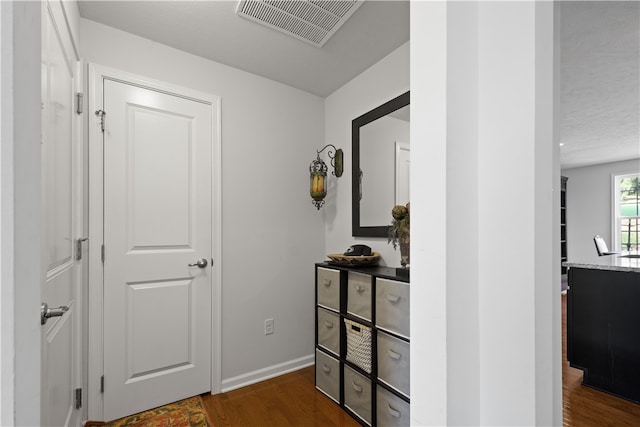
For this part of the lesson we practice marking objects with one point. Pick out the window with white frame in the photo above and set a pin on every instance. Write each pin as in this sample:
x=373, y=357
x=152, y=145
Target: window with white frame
x=626, y=212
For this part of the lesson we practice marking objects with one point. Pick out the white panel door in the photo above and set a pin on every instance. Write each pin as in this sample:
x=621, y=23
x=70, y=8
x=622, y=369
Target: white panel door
x=157, y=221
x=60, y=357
x=403, y=168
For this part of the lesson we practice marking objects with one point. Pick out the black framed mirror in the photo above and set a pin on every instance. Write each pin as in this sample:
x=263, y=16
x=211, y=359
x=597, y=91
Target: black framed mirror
x=380, y=142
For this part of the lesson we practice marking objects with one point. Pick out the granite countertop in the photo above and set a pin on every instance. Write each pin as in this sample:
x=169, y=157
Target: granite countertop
x=617, y=262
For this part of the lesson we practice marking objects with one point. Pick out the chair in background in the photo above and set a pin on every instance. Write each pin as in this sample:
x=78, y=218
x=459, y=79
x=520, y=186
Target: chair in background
x=601, y=246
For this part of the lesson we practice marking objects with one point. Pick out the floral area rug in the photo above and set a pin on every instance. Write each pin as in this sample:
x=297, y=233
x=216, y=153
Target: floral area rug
x=184, y=413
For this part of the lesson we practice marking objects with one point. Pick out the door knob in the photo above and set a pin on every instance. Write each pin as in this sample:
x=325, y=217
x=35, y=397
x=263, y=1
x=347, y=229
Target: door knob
x=46, y=312
x=201, y=263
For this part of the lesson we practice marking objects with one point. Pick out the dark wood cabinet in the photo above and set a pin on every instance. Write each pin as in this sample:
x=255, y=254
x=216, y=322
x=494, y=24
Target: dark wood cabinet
x=362, y=342
x=602, y=329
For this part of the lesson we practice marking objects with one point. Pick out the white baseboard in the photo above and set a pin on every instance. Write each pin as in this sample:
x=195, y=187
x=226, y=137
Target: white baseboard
x=266, y=373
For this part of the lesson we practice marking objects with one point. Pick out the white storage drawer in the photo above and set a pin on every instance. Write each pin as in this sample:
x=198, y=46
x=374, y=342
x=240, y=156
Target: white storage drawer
x=359, y=295
x=392, y=306
x=329, y=288
x=357, y=394
x=393, y=362
x=328, y=375
x=329, y=330
x=391, y=410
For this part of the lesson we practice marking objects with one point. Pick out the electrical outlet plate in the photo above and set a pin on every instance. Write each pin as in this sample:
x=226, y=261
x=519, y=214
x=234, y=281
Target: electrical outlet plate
x=268, y=326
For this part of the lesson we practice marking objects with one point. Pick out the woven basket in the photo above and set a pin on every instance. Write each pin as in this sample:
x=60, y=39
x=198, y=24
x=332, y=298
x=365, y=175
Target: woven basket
x=358, y=344
x=354, y=261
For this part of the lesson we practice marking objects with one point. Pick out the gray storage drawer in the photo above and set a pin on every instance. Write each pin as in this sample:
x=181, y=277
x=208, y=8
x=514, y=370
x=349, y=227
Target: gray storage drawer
x=328, y=375
x=357, y=393
x=391, y=410
x=329, y=288
x=392, y=306
x=359, y=295
x=329, y=330
x=393, y=362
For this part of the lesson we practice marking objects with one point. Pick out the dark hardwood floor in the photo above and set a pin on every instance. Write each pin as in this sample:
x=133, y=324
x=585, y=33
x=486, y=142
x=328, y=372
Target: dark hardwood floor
x=288, y=400
x=292, y=400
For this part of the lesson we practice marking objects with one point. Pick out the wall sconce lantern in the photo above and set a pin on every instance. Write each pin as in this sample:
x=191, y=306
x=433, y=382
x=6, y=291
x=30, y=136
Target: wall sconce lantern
x=318, y=173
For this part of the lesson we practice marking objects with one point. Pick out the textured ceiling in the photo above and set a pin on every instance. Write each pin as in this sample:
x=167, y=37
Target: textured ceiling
x=212, y=29
x=600, y=83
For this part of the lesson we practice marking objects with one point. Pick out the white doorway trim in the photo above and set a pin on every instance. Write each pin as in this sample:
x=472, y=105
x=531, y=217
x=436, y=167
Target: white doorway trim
x=97, y=74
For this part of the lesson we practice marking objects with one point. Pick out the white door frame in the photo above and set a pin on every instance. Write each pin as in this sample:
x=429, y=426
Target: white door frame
x=97, y=74
x=20, y=211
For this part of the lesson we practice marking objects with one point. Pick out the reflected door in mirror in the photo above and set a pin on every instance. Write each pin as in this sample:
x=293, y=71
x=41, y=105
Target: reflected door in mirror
x=402, y=173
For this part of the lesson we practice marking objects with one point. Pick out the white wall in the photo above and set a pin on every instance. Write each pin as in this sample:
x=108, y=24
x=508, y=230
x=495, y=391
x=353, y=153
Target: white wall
x=6, y=220
x=20, y=286
x=589, y=204
x=483, y=301
x=272, y=234
x=428, y=226
x=382, y=82
x=462, y=215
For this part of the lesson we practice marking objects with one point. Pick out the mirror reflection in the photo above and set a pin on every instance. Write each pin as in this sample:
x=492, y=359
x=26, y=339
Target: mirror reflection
x=381, y=152
x=384, y=147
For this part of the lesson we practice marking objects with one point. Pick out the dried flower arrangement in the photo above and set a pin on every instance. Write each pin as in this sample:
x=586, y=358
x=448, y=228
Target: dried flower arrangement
x=399, y=230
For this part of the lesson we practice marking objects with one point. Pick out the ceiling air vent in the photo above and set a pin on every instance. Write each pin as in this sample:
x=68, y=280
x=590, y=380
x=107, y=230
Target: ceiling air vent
x=312, y=21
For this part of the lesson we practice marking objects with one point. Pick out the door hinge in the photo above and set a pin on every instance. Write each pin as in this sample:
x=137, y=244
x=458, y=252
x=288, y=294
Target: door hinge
x=102, y=384
x=78, y=398
x=79, y=247
x=79, y=98
x=101, y=113
x=102, y=253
